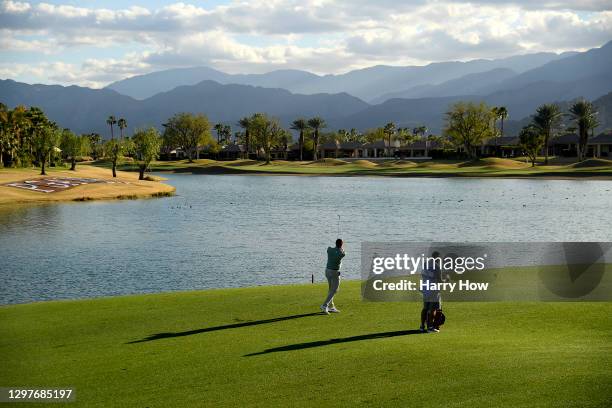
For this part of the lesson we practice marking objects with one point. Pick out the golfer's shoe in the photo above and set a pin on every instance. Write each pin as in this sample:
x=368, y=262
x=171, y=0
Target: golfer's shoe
x=422, y=329
x=433, y=330
x=333, y=310
x=324, y=309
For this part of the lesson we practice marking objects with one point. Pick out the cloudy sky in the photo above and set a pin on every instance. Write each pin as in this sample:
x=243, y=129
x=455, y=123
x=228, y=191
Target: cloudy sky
x=93, y=43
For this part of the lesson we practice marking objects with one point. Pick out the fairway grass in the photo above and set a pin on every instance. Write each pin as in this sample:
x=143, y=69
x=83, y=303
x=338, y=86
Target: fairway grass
x=268, y=346
x=488, y=167
x=128, y=188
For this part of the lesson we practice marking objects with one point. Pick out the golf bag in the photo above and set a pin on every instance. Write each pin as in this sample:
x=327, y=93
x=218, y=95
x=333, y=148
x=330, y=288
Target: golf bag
x=439, y=318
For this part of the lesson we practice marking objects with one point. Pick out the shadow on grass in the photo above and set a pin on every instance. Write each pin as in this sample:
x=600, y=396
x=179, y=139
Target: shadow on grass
x=320, y=343
x=159, y=336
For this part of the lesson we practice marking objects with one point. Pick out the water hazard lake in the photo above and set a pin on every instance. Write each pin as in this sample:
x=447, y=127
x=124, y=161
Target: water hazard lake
x=235, y=230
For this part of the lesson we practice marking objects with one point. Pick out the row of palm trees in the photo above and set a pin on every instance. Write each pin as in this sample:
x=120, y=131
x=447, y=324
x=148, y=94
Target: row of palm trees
x=499, y=113
x=121, y=124
x=389, y=132
x=304, y=125
x=547, y=121
x=224, y=133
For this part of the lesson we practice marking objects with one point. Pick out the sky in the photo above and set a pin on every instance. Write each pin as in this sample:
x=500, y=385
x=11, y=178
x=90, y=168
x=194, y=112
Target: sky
x=93, y=43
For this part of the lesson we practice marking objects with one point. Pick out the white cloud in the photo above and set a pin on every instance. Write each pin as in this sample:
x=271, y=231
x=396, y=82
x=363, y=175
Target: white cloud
x=323, y=36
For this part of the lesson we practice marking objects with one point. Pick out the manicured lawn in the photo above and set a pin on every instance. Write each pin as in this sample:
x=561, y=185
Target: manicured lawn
x=267, y=346
x=489, y=167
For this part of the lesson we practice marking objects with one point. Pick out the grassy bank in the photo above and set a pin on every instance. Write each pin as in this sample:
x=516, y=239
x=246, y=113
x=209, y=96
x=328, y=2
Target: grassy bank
x=265, y=347
x=489, y=167
x=130, y=187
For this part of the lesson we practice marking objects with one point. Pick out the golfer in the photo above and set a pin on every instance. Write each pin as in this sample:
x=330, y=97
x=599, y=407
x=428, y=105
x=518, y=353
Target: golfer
x=431, y=298
x=332, y=273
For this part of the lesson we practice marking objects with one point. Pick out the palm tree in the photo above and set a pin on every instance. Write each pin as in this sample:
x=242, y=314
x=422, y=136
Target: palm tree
x=585, y=116
x=300, y=125
x=245, y=123
x=227, y=133
x=121, y=124
x=405, y=136
x=111, y=122
x=547, y=119
x=502, y=112
x=421, y=130
x=316, y=124
x=219, y=128
x=494, y=117
x=389, y=131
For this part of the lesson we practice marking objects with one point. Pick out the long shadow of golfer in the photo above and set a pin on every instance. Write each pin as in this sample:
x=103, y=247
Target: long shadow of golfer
x=159, y=336
x=320, y=343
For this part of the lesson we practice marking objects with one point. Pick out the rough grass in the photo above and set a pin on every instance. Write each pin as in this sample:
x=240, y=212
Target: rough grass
x=364, y=163
x=281, y=162
x=132, y=189
x=592, y=163
x=242, y=163
x=437, y=166
x=397, y=163
x=328, y=162
x=268, y=347
x=496, y=163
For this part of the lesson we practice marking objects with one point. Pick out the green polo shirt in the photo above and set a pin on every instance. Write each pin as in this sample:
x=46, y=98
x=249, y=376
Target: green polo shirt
x=334, y=258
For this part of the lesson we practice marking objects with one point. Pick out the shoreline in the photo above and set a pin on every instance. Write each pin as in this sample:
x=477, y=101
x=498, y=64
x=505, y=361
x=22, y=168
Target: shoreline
x=128, y=186
x=548, y=175
x=491, y=168
x=521, y=285
x=186, y=292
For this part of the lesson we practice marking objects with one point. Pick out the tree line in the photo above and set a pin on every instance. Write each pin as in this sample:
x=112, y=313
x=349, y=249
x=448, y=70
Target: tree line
x=469, y=125
x=546, y=123
x=259, y=133
x=28, y=137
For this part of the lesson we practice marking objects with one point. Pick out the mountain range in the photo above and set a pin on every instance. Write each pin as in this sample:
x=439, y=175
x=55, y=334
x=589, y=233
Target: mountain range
x=370, y=84
x=85, y=110
x=362, y=99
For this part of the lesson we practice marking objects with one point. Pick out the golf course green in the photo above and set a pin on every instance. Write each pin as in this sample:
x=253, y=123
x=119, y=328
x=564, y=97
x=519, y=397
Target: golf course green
x=267, y=346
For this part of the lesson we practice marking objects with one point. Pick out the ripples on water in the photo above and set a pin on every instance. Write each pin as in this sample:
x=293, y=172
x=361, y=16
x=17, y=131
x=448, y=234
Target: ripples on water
x=227, y=231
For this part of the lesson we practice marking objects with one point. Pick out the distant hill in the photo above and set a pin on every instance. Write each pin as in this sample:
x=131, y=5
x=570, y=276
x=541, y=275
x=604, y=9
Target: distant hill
x=604, y=107
x=367, y=84
x=145, y=86
x=586, y=75
x=228, y=103
x=85, y=110
x=520, y=103
x=81, y=109
x=593, y=65
x=471, y=84
x=602, y=104
x=521, y=90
